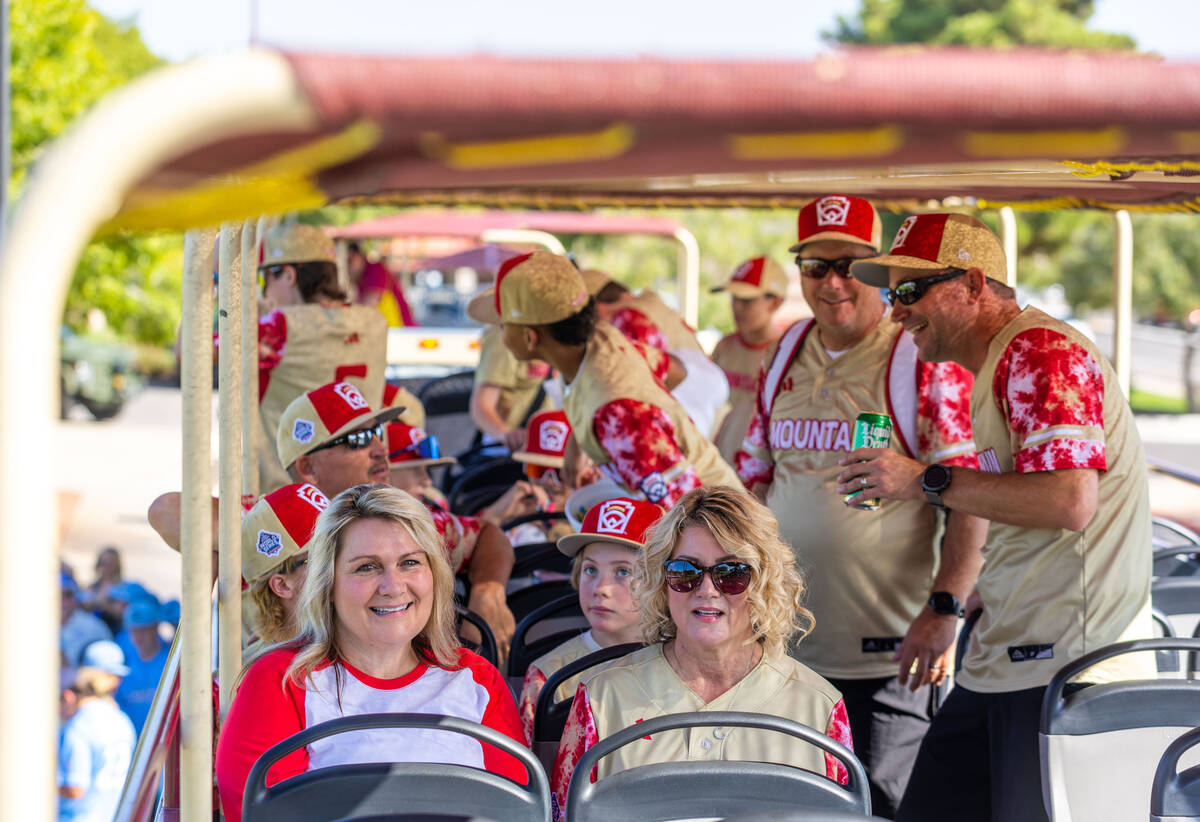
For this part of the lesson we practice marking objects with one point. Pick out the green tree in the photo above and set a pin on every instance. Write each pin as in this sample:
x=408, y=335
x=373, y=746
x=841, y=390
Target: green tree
x=65, y=57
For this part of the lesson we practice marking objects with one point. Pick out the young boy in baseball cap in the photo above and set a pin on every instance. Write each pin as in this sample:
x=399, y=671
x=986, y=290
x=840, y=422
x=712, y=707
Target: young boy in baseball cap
x=603, y=551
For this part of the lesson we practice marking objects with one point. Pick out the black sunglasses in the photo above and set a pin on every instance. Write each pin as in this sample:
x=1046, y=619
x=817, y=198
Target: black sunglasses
x=816, y=268
x=909, y=291
x=684, y=576
x=355, y=439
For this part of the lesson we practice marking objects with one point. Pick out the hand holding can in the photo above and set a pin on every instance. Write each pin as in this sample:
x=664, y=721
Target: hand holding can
x=872, y=429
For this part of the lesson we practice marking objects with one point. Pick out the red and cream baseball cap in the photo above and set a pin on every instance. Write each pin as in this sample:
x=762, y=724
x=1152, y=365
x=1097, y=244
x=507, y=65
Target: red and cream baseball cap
x=838, y=217
x=533, y=289
x=622, y=520
x=756, y=277
x=278, y=527
x=400, y=397
x=545, y=439
x=324, y=414
x=594, y=280
x=410, y=447
x=296, y=243
x=933, y=241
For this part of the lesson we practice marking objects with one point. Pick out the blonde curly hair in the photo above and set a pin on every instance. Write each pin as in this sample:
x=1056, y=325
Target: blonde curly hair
x=437, y=643
x=747, y=530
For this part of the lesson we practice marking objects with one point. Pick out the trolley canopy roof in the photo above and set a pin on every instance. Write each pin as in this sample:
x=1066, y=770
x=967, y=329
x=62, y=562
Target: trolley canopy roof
x=456, y=224
x=1047, y=129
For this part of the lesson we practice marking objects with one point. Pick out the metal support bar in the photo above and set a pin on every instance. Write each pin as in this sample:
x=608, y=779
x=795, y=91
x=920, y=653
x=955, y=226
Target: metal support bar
x=195, y=695
x=1122, y=296
x=688, y=276
x=341, y=250
x=250, y=419
x=229, y=580
x=524, y=235
x=1008, y=238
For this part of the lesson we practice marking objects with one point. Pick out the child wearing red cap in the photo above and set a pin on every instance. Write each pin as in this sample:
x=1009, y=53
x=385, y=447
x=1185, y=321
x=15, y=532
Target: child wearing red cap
x=612, y=533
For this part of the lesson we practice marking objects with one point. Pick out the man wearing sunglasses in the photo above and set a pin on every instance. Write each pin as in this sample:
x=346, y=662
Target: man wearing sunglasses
x=1061, y=476
x=870, y=573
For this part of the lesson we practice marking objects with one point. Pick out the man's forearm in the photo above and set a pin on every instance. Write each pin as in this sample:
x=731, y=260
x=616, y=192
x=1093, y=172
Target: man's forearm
x=1039, y=499
x=492, y=560
x=483, y=411
x=962, y=554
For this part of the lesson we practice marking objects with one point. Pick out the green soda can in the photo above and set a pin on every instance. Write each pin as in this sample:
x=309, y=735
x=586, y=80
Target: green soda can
x=872, y=429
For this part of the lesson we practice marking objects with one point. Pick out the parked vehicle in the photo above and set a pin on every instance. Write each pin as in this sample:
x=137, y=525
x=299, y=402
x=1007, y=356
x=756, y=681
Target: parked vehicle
x=97, y=374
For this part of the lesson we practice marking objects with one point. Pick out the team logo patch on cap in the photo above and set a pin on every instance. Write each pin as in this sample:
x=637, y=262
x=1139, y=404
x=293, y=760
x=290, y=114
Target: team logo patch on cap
x=614, y=516
x=832, y=210
x=902, y=234
x=269, y=543
x=351, y=395
x=553, y=436
x=313, y=496
x=302, y=431
x=654, y=487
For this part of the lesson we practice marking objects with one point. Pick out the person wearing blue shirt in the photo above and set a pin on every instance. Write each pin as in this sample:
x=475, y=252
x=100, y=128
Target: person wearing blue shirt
x=96, y=745
x=145, y=655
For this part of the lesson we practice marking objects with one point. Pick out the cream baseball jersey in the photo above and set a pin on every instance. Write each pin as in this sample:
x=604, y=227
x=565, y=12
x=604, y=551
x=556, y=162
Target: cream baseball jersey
x=543, y=667
x=1046, y=400
x=518, y=381
x=741, y=362
x=634, y=430
x=314, y=345
x=867, y=573
x=643, y=685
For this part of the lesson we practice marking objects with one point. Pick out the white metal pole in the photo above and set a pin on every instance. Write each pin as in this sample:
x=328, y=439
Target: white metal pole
x=688, y=276
x=249, y=387
x=1122, y=296
x=229, y=580
x=1008, y=238
x=195, y=686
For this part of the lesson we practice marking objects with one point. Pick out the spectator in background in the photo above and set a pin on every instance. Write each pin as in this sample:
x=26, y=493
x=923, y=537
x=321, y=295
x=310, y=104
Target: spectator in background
x=79, y=628
x=97, y=739
x=145, y=657
x=379, y=287
x=108, y=574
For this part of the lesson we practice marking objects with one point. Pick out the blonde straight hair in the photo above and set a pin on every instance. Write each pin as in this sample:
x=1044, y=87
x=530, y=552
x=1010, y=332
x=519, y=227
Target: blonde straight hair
x=436, y=644
x=745, y=529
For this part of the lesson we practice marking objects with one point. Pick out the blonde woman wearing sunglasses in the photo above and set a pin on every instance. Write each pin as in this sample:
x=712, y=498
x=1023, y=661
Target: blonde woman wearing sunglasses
x=720, y=598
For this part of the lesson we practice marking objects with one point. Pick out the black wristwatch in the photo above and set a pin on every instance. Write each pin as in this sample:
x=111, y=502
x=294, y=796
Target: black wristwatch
x=934, y=481
x=946, y=604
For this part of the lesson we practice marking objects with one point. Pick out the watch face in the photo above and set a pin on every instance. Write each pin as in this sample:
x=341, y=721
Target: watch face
x=936, y=477
x=943, y=603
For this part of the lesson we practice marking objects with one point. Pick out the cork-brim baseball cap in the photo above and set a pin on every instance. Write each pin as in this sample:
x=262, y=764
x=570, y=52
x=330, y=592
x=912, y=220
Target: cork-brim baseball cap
x=409, y=447
x=278, y=527
x=594, y=280
x=323, y=414
x=622, y=520
x=581, y=500
x=841, y=218
x=539, y=288
x=936, y=241
x=297, y=243
x=546, y=439
x=754, y=278
x=482, y=307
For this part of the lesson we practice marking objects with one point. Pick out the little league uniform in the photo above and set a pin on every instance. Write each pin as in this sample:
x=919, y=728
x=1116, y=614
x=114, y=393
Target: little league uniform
x=635, y=432
x=543, y=667
x=268, y=709
x=94, y=753
x=867, y=573
x=518, y=381
x=1045, y=400
x=741, y=362
x=643, y=685
x=676, y=334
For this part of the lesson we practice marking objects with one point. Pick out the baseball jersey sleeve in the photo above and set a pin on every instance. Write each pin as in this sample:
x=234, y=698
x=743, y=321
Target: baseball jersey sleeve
x=74, y=759
x=497, y=366
x=579, y=734
x=531, y=688
x=264, y=712
x=944, y=414
x=1053, y=393
x=753, y=461
x=638, y=327
x=272, y=341
x=459, y=535
x=500, y=715
x=839, y=731
x=644, y=453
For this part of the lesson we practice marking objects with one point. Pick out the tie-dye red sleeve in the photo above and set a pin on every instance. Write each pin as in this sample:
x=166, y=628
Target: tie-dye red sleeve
x=531, y=688
x=753, y=461
x=638, y=327
x=644, y=454
x=944, y=414
x=839, y=731
x=272, y=342
x=1053, y=393
x=579, y=734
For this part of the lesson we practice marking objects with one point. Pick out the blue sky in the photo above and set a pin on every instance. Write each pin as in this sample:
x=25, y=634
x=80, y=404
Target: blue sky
x=179, y=29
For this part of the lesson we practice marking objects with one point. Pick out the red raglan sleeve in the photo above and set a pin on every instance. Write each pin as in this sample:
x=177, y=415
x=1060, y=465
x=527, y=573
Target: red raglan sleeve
x=579, y=734
x=500, y=715
x=272, y=341
x=753, y=461
x=264, y=712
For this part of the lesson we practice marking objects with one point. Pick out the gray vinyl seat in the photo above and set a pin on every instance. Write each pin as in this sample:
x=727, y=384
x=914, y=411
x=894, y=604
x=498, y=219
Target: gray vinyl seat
x=802, y=816
x=1100, y=743
x=394, y=790
x=1175, y=796
x=1178, y=599
x=707, y=790
x=1176, y=549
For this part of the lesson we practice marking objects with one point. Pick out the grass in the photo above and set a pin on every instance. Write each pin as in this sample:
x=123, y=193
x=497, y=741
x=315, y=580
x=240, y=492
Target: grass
x=1144, y=402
